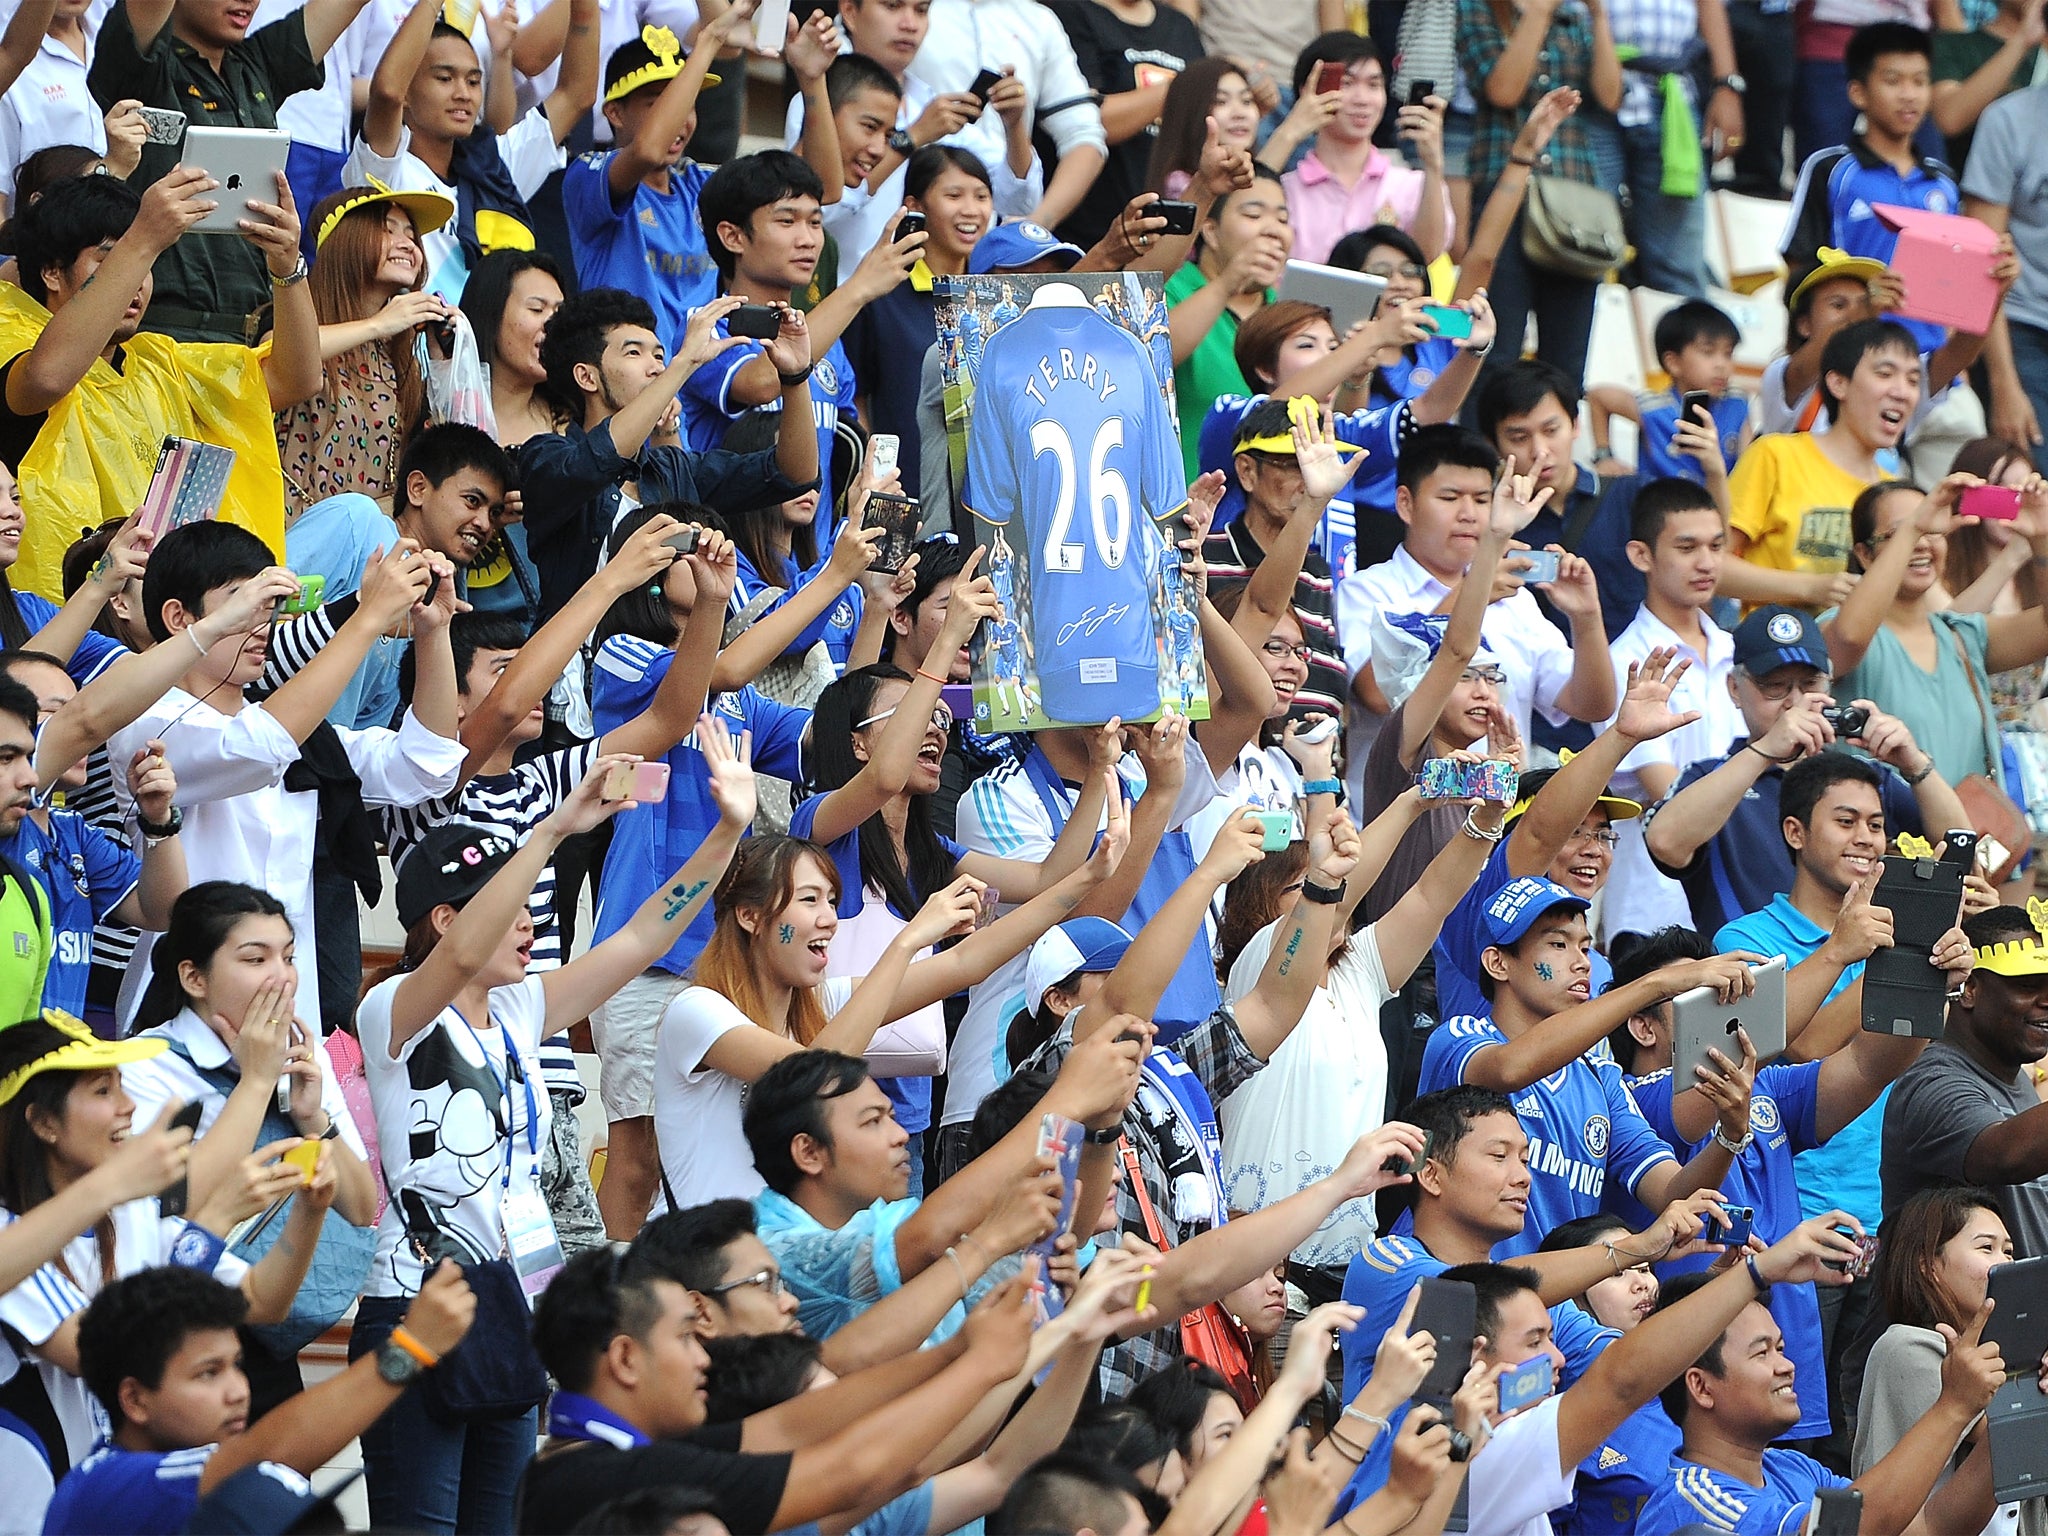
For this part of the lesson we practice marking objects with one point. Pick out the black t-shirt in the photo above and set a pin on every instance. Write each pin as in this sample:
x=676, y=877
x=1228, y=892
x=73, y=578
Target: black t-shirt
x=1115, y=56
x=886, y=343
x=17, y=433
x=562, y=1486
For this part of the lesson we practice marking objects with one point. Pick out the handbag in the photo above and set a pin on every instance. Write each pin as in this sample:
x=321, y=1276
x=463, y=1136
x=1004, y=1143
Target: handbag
x=1208, y=1333
x=1572, y=228
x=495, y=1372
x=341, y=1259
x=1992, y=813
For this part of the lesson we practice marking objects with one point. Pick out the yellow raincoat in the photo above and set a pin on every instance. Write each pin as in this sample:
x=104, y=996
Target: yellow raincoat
x=94, y=456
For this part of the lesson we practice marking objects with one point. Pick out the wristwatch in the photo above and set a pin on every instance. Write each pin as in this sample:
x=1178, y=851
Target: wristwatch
x=398, y=1365
x=902, y=143
x=1109, y=1136
x=1322, y=895
x=292, y=278
x=1733, y=83
x=154, y=832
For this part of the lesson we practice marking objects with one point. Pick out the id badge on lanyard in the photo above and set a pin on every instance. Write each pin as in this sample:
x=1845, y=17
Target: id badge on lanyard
x=528, y=1229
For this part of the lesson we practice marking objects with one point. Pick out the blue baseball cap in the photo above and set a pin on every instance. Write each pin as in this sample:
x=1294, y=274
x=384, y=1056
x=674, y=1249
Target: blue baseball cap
x=1515, y=907
x=1777, y=636
x=1017, y=244
x=1077, y=946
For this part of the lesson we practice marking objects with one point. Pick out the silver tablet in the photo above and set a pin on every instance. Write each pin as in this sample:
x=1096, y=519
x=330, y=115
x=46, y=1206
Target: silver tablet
x=1349, y=296
x=1700, y=1022
x=246, y=163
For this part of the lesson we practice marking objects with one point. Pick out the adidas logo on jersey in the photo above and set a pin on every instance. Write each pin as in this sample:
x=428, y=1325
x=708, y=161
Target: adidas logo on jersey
x=1610, y=1458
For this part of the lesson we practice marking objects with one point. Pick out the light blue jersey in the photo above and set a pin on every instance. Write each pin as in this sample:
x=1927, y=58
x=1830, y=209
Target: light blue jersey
x=1697, y=1495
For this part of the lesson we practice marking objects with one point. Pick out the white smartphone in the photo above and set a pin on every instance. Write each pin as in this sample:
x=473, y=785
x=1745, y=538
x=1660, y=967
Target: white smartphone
x=882, y=450
x=771, y=25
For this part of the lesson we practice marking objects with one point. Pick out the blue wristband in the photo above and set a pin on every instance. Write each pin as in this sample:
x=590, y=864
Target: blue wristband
x=1756, y=1276
x=197, y=1248
x=1323, y=787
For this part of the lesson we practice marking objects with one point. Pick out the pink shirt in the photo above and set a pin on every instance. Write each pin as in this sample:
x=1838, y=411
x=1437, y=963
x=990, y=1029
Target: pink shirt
x=1322, y=211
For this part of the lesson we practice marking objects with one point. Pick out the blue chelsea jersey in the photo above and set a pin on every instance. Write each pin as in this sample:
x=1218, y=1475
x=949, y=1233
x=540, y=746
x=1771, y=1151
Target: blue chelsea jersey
x=1625, y=1472
x=1656, y=457
x=708, y=409
x=1580, y=1121
x=1072, y=456
x=1698, y=1495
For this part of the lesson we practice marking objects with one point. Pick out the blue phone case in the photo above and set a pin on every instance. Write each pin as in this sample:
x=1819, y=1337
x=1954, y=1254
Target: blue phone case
x=1529, y=1382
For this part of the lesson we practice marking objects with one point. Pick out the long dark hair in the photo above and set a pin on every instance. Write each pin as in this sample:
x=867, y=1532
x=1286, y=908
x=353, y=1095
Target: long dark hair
x=1184, y=120
x=484, y=297
x=1912, y=1239
x=24, y=1160
x=201, y=920
x=644, y=612
x=754, y=528
x=833, y=766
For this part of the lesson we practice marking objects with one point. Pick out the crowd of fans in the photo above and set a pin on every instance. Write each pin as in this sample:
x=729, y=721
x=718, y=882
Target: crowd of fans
x=533, y=582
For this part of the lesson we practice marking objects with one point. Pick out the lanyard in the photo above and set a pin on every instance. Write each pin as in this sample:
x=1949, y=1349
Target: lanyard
x=525, y=1081
x=572, y=1416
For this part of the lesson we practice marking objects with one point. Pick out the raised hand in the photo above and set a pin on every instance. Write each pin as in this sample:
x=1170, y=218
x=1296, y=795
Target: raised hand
x=1309, y=1346
x=1728, y=975
x=586, y=805
x=1237, y=846
x=257, y=1182
x=393, y=582
x=1728, y=1085
x=1325, y=468
x=1222, y=168
x=729, y=763
x=1115, y=840
x=152, y=783
x=1100, y=1305
x=126, y=559
x=1099, y=1077
x=147, y=1162
x=1364, y=1168
x=1516, y=499
x=1813, y=1250
x=1422, y=1454
x=789, y=349
x=947, y=913
x=1334, y=849
x=260, y=1041
x=999, y=1330
x=1403, y=1358
x=1973, y=1371
x=1573, y=593
x=172, y=205
x=274, y=229
x=1545, y=118
x=810, y=49
x=1302, y=1492
x=1646, y=711
x=1162, y=749
x=1860, y=928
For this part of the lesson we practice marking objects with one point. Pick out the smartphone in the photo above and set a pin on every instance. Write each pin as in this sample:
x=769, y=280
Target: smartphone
x=1736, y=1224
x=760, y=321
x=1279, y=829
x=1529, y=1382
x=991, y=898
x=1444, y=778
x=1836, y=1512
x=1400, y=1165
x=1694, y=403
x=1179, y=216
x=910, y=224
x=771, y=26
x=172, y=1201
x=686, y=540
x=1992, y=501
x=985, y=82
x=1329, y=76
x=1449, y=321
x=311, y=589
x=1542, y=565
x=1959, y=846
x=1419, y=92
x=641, y=783
x=897, y=517
x=1866, y=1255
x=883, y=448
x=1318, y=733
x=1449, y=1309
x=160, y=125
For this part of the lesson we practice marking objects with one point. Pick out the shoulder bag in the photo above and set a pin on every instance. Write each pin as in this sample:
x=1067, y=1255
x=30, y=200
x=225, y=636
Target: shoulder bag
x=1207, y=1334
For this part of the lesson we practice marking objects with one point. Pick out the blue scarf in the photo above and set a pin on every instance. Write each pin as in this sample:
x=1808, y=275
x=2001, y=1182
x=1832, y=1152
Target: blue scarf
x=483, y=182
x=572, y=1416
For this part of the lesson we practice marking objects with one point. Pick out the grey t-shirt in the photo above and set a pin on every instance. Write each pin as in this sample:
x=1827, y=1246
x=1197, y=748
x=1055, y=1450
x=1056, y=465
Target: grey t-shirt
x=1936, y=1112
x=1386, y=780
x=2007, y=167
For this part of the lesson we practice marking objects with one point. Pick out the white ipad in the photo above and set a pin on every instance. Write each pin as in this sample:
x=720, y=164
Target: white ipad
x=246, y=163
x=1349, y=296
x=1700, y=1021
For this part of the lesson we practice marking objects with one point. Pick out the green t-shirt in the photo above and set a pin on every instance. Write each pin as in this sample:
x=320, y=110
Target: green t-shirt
x=25, y=947
x=1943, y=711
x=1210, y=370
x=1959, y=55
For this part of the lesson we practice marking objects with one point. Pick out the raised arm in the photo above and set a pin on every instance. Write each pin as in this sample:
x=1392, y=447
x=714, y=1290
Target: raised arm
x=391, y=81
x=326, y=20
x=23, y=39
x=126, y=558
x=647, y=151
x=1856, y=622
x=1299, y=961
x=1407, y=932
x=575, y=89
x=1141, y=977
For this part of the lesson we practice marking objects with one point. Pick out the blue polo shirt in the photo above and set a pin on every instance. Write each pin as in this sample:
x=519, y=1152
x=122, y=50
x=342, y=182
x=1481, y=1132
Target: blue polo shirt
x=653, y=841
x=86, y=874
x=1463, y=938
x=1783, y=1116
x=1581, y=1122
x=1370, y=494
x=709, y=409
x=1742, y=866
x=1835, y=204
x=653, y=246
x=1844, y=1172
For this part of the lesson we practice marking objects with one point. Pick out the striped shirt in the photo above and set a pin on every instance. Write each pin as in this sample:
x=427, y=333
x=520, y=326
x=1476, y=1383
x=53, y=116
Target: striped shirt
x=1233, y=554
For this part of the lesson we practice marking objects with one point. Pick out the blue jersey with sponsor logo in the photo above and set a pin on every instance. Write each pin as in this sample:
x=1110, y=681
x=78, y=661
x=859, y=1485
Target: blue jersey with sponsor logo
x=1370, y=492
x=1656, y=457
x=1783, y=1115
x=1379, y=1280
x=708, y=409
x=1696, y=1495
x=653, y=246
x=1580, y=1121
x=1073, y=454
x=835, y=626
x=86, y=874
x=1617, y=1480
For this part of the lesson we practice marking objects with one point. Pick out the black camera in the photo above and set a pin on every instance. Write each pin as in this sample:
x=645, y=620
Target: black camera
x=1849, y=720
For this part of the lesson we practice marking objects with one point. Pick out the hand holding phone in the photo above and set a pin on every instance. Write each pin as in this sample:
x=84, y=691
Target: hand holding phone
x=984, y=83
x=1542, y=565
x=172, y=1201
x=1419, y=92
x=1993, y=502
x=1329, y=76
x=1696, y=405
x=641, y=783
x=1179, y=216
x=762, y=322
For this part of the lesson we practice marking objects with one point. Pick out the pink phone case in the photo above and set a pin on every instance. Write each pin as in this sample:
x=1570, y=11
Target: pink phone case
x=642, y=783
x=1992, y=501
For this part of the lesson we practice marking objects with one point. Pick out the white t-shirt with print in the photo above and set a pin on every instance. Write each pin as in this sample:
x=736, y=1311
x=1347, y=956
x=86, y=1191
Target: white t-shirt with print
x=456, y=1125
x=144, y=1238
x=697, y=1109
x=1325, y=1087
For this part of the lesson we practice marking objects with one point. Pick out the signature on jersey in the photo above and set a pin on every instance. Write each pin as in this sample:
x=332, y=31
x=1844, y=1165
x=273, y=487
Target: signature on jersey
x=1091, y=620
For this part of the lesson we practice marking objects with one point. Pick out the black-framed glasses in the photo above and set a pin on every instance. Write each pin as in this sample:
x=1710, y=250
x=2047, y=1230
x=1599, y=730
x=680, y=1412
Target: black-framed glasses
x=1486, y=672
x=769, y=1280
x=1279, y=650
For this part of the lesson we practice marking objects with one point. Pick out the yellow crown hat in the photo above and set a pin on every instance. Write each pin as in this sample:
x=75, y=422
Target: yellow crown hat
x=79, y=1051
x=427, y=210
x=2020, y=957
x=1301, y=411
x=666, y=64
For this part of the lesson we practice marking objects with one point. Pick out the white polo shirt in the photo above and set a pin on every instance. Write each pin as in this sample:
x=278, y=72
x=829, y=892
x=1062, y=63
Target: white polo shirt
x=1516, y=1479
x=1532, y=651
x=49, y=105
x=1637, y=896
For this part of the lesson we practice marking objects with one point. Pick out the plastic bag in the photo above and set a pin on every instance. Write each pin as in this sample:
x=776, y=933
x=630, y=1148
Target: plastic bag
x=459, y=385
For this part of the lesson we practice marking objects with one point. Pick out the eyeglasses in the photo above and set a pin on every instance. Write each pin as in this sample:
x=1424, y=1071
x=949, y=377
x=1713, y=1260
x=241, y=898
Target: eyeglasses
x=942, y=718
x=770, y=1281
x=1280, y=649
x=1407, y=269
x=1780, y=691
x=1493, y=676
x=1605, y=837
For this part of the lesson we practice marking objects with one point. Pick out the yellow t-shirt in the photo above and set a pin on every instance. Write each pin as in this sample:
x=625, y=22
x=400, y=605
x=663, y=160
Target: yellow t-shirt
x=1792, y=503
